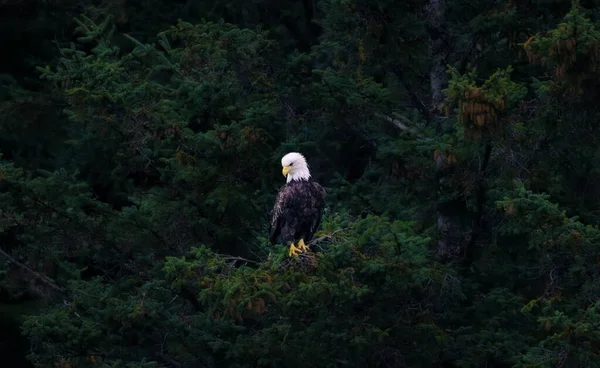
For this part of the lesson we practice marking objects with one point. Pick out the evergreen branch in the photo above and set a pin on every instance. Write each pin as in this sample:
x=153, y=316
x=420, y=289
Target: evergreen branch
x=166, y=358
x=417, y=103
x=465, y=58
x=53, y=209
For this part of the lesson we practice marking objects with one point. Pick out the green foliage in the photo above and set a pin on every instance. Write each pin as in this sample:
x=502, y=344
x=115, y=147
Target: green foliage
x=138, y=172
x=172, y=122
x=480, y=108
x=563, y=253
x=204, y=307
x=572, y=50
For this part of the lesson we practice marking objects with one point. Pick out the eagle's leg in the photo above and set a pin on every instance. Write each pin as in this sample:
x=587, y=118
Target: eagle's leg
x=302, y=246
x=294, y=250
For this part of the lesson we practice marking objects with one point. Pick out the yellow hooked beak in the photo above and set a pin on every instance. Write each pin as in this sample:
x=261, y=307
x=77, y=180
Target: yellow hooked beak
x=286, y=170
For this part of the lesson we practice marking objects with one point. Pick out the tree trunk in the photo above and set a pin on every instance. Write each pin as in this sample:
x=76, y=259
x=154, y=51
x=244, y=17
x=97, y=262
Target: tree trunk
x=477, y=216
x=438, y=50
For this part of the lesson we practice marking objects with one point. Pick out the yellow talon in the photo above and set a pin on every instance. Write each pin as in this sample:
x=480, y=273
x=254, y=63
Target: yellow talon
x=302, y=246
x=294, y=250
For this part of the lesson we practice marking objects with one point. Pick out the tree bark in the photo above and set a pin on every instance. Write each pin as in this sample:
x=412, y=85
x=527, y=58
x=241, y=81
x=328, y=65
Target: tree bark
x=477, y=217
x=438, y=50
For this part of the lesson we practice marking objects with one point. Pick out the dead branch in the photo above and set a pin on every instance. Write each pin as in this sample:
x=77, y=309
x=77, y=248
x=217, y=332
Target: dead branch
x=44, y=279
x=235, y=259
x=400, y=125
x=324, y=237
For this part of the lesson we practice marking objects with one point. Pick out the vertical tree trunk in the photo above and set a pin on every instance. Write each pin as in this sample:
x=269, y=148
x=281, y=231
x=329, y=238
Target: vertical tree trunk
x=438, y=50
x=477, y=216
x=443, y=229
x=447, y=227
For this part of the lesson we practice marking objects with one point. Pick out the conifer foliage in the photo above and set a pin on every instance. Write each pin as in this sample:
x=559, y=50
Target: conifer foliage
x=140, y=158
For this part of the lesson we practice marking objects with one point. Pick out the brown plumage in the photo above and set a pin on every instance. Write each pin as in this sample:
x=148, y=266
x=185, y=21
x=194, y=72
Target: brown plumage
x=299, y=205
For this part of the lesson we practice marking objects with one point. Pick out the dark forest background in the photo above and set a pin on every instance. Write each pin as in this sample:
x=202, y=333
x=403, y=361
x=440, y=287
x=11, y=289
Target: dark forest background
x=140, y=146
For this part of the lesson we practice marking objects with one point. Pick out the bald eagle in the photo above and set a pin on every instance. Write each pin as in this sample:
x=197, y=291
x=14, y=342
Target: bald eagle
x=298, y=207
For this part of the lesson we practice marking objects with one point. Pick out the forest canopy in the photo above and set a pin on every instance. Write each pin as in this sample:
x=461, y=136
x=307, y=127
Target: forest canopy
x=140, y=158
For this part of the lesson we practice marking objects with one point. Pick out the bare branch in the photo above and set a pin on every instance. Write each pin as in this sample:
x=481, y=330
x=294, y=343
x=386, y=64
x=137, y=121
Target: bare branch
x=235, y=259
x=315, y=241
x=400, y=125
x=44, y=279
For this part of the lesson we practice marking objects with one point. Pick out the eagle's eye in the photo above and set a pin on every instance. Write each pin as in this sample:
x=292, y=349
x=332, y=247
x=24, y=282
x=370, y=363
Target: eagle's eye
x=292, y=164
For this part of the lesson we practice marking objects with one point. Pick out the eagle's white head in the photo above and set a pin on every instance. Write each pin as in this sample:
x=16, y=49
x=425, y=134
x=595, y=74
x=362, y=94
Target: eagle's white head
x=295, y=167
